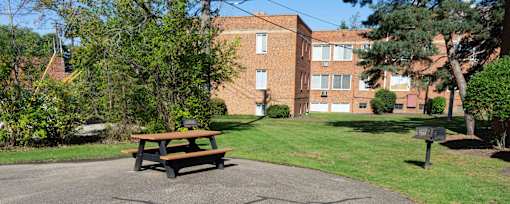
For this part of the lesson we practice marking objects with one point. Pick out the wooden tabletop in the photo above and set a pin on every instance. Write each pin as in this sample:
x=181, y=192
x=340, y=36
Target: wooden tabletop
x=176, y=135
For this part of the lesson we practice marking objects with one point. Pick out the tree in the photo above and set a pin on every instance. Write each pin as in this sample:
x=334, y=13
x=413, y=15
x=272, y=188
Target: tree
x=505, y=49
x=405, y=34
x=343, y=25
x=488, y=97
x=147, y=62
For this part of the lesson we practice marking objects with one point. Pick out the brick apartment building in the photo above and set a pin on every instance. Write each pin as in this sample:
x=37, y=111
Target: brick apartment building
x=284, y=65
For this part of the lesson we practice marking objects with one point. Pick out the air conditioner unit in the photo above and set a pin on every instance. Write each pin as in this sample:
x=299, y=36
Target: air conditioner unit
x=324, y=93
x=324, y=63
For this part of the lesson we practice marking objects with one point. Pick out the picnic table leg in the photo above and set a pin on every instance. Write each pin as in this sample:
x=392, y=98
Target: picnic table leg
x=139, y=155
x=213, y=143
x=192, y=144
x=170, y=172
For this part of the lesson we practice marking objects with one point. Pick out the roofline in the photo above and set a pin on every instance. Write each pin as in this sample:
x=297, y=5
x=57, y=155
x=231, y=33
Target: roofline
x=277, y=15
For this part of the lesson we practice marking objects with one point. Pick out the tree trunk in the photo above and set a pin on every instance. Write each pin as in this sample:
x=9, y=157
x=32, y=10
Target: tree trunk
x=505, y=48
x=461, y=81
x=425, y=105
x=450, y=104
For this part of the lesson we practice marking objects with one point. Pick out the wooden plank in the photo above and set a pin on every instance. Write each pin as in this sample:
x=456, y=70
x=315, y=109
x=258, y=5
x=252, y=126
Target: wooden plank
x=194, y=154
x=152, y=149
x=176, y=135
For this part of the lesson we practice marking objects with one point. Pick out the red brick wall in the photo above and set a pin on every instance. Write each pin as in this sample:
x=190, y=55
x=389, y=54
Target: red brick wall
x=280, y=61
x=289, y=67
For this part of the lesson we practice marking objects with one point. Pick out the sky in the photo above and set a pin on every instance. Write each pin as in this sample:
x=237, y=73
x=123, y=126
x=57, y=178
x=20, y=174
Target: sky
x=331, y=11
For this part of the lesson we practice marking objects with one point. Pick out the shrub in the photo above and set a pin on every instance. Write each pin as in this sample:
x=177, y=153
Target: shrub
x=278, y=111
x=488, y=97
x=437, y=105
x=377, y=105
x=218, y=106
x=387, y=98
x=49, y=117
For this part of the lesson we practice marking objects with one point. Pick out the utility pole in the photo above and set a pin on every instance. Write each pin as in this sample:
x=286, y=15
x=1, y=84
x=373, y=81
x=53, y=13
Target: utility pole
x=205, y=20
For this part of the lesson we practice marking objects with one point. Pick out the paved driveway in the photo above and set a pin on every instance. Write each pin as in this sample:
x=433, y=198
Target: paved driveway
x=241, y=181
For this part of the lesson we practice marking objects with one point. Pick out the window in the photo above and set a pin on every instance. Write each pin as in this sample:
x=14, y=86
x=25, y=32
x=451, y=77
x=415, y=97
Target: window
x=302, y=48
x=399, y=106
x=261, y=43
x=321, y=52
x=320, y=82
x=342, y=82
x=366, y=46
x=260, y=109
x=400, y=83
x=342, y=53
x=364, y=85
x=302, y=81
x=261, y=79
x=362, y=105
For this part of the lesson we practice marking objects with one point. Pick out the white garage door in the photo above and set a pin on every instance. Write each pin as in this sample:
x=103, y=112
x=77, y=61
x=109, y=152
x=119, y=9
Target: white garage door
x=319, y=107
x=341, y=107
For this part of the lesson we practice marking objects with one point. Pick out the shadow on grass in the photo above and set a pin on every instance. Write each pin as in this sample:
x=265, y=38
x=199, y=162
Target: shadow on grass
x=416, y=163
x=467, y=144
x=230, y=125
x=401, y=126
x=503, y=155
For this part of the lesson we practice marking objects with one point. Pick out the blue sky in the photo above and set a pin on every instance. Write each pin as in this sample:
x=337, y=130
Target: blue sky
x=329, y=10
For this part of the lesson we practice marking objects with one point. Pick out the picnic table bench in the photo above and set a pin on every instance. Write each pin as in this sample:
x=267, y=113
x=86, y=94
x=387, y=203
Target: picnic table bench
x=177, y=156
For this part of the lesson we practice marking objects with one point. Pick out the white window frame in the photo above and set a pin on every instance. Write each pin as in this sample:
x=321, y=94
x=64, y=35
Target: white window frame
x=341, y=58
x=321, y=59
x=364, y=48
x=341, y=81
x=320, y=86
x=362, y=85
x=260, y=86
x=261, y=50
x=264, y=109
x=400, y=76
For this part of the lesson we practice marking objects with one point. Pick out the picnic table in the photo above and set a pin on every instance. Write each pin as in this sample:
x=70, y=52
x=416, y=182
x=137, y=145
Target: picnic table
x=177, y=156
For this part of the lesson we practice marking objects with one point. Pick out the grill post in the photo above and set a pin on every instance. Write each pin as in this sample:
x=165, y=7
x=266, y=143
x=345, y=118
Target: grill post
x=427, y=154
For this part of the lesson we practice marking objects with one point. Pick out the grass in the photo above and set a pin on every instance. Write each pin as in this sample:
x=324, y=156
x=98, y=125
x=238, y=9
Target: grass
x=375, y=149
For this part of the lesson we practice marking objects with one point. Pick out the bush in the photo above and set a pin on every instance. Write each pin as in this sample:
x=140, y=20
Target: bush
x=218, y=106
x=437, y=105
x=49, y=117
x=278, y=111
x=385, y=101
x=487, y=97
x=377, y=105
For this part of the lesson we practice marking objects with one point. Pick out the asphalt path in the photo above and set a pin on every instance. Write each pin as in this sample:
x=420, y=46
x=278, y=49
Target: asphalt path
x=241, y=181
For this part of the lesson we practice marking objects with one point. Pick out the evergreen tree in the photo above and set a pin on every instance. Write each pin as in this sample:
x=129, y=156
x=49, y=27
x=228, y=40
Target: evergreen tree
x=408, y=33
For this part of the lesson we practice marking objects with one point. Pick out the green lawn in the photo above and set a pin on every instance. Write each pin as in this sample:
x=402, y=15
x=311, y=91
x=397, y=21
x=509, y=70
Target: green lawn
x=376, y=149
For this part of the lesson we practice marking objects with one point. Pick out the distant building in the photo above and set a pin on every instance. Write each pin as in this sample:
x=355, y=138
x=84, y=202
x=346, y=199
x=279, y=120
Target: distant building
x=286, y=66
